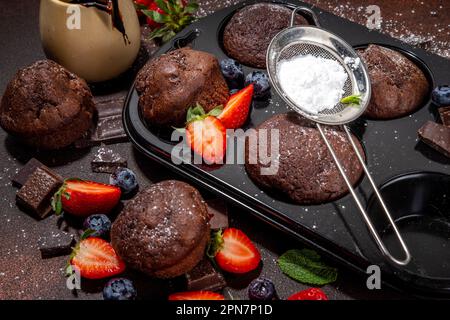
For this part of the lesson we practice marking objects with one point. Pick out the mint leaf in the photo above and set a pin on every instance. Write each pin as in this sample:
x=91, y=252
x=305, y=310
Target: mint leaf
x=306, y=266
x=354, y=99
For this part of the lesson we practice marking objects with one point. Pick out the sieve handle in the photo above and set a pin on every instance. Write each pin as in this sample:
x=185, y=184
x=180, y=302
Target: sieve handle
x=366, y=217
x=306, y=10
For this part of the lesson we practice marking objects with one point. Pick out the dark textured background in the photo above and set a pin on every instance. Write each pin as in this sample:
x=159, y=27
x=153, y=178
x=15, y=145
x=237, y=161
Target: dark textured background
x=24, y=275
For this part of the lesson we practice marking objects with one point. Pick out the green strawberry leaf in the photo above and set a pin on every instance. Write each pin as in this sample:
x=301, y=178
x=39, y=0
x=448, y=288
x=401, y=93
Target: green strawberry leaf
x=162, y=5
x=306, y=266
x=192, y=7
x=216, y=111
x=215, y=244
x=156, y=16
x=87, y=233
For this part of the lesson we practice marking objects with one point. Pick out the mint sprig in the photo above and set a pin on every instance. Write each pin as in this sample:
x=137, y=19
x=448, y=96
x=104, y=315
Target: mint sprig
x=306, y=266
x=354, y=99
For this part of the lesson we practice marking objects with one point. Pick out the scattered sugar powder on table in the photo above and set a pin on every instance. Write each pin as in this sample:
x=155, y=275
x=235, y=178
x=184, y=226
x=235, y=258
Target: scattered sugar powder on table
x=313, y=83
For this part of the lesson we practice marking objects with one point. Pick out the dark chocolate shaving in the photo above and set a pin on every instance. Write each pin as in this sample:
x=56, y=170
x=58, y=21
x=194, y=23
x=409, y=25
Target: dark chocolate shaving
x=204, y=277
x=56, y=244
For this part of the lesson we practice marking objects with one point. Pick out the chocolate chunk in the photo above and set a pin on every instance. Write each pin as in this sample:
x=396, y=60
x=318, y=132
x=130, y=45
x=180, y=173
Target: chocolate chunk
x=36, y=193
x=22, y=176
x=107, y=161
x=218, y=209
x=436, y=136
x=56, y=244
x=444, y=113
x=204, y=277
x=109, y=128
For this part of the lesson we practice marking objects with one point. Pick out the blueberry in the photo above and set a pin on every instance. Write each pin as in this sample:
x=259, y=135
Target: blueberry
x=99, y=223
x=119, y=289
x=233, y=91
x=262, y=289
x=233, y=73
x=125, y=179
x=261, y=83
x=441, y=95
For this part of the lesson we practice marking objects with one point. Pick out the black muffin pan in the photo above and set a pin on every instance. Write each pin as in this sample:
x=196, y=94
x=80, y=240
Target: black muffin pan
x=413, y=177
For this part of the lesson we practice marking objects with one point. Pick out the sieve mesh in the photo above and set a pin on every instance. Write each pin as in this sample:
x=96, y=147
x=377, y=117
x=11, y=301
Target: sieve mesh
x=303, y=48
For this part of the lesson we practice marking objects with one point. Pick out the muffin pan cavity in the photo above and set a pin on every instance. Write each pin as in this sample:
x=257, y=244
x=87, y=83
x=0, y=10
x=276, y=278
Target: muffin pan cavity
x=420, y=206
x=335, y=229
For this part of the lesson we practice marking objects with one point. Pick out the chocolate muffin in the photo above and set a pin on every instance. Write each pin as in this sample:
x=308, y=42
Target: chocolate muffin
x=306, y=171
x=399, y=86
x=46, y=106
x=247, y=35
x=163, y=231
x=173, y=82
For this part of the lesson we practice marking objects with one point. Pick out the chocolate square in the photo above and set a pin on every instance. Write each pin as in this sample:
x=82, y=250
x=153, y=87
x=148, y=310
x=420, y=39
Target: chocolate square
x=35, y=195
x=218, y=209
x=444, y=114
x=107, y=161
x=57, y=243
x=109, y=128
x=204, y=277
x=22, y=176
x=436, y=136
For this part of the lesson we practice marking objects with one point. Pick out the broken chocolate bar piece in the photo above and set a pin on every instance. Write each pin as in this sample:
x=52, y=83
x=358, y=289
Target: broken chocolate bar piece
x=444, y=114
x=436, y=136
x=218, y=209
x=36, y=193
x=56, y=244
x=107, y=161
x=109, y=128
x=22, y=176
x=204, y=277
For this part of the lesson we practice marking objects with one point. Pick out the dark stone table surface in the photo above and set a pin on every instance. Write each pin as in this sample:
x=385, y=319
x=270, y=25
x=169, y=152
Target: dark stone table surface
x=24, y=275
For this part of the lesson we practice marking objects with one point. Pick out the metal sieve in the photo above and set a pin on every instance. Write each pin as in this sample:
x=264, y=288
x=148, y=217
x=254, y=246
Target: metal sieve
x=312, y=40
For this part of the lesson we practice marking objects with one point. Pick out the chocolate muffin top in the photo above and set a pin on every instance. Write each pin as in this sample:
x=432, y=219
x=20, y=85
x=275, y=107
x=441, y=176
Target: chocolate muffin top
x=399, y=86
x=306, y=172
x=161, y=227
x=46, y=106
x=247, y=35
x=169, y=84
x=42, y=98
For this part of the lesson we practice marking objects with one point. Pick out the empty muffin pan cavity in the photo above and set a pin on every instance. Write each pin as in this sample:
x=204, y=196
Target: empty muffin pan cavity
x=420, y=206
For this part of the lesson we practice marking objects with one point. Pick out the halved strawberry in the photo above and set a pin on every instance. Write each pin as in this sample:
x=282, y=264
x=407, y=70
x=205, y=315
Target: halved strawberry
x=95, y=258
x=196, y=295
x=233, y=251
x=309, y=294
x=237, y=108
x=206, y=135
x=84, y=198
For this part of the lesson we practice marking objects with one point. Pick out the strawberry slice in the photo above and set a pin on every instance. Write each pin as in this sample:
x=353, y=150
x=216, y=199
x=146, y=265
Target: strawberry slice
x=206, y=135
x=95, y=258
x=233, y=251
x=196, y=295
x=84, y=198
x=309, y=294
x=237, y=108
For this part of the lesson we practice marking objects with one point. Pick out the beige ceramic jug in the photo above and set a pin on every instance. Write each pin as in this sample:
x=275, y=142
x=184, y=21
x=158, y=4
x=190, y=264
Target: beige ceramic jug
x=85, y=40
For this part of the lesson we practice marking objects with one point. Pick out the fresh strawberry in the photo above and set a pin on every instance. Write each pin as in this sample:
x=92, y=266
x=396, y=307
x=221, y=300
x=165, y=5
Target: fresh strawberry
x=168, y=17
x=233, y=251
x=237, y=108
x=206, y=135
x=309, y=294
x=84, y=198
x=196, y=295
x=96, y=259
x=154, y=7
